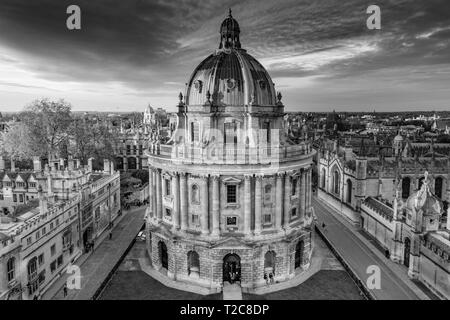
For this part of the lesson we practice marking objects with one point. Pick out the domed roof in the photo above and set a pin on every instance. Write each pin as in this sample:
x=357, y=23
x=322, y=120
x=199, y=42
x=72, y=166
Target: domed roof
x=425, y=200
x=398, y=138
x=230, y=76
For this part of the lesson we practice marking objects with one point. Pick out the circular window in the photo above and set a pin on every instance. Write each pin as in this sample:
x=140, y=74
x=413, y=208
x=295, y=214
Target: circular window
x=262, y=84
x=231, y=83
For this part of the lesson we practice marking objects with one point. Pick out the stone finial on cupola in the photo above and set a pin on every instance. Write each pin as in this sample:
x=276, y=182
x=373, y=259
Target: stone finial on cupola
x=279, y=96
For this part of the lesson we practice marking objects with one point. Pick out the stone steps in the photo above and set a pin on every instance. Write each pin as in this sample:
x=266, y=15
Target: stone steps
x=232, y=291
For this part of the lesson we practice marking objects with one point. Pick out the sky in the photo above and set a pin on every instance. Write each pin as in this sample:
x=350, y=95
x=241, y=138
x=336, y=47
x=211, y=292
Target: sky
x=132, y=53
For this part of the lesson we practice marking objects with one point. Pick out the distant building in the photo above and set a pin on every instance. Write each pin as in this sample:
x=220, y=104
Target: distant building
x=63, y=212
x=414, y=234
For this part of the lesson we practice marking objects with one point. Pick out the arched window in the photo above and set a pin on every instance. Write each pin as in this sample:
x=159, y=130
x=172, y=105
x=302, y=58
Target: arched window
x=268, y=193
x=269, y=261
x=406, y=185
x=32, y=276
x=11, y=268
x=438, y=182
x=194, y=132
x=322, y=184
x=421, y=182
x=349, y=191
x=195, y=196
x=336, y=178
x=193, y=263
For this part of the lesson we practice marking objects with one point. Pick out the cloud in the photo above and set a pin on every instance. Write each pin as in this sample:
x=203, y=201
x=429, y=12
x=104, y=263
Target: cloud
x=147, y=49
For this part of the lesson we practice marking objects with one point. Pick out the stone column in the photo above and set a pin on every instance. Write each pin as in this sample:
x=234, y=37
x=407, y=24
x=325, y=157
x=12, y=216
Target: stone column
x=302, y=194
x=279, y=200
x=287, y=199
x=258, y=203
x=154, y=193
x=183, y=201
x=247, y=204
x=309, y=188
x=215, y=206
x=150, y=190
x=158, y=195
x=205, y=199
x=176, y=202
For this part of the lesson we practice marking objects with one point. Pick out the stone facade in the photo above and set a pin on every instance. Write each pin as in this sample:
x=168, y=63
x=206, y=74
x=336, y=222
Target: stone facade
x=229, y=190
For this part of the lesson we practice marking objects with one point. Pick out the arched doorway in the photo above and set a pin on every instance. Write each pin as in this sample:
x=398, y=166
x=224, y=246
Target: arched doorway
x=231, y=268
x=269, y=262
x=406, y=252
x=406, y=185
x=349, y=191
x=193, y=264
x=299, y=248
x=163, y=257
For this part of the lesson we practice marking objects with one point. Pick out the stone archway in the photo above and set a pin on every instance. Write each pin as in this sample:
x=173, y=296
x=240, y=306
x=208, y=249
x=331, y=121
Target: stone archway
x=231, y=268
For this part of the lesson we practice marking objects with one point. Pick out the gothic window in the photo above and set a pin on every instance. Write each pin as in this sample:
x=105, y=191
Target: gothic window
x=438, y=187
x=195, y=197
x=349, y=191
x=32, y=275
x=323, y=178
x=406, y=183
x=336, y=178
x=231, y=193
x=11, y=268
x=194, y=132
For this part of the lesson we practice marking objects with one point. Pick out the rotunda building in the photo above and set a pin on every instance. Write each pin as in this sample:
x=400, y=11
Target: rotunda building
x=230, y=194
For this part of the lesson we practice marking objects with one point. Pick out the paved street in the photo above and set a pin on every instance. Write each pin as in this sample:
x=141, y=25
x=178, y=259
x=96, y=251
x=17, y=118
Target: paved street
x=359, y=256
x=98, y=265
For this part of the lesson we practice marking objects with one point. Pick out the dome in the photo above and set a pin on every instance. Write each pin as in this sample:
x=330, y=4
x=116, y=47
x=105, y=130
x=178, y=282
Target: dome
x=425, y=200
x=398, y=138
x=230, y=76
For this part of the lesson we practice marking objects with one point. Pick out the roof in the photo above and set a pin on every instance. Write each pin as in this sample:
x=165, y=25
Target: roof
x=379, y=207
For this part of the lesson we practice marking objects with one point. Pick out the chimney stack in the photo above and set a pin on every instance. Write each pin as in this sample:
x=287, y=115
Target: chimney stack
x=78, y=165
x=42, y=201
x=13, y=166
x=90, y=164
x=70, y=164
x=112, y=167
x=106, y=166
x=2, y=163
x=61, y=164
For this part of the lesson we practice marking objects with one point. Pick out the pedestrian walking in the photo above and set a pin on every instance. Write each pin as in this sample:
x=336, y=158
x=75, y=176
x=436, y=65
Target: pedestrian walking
x=266, y=279
x=323, y=225
x=271, y=278
x=110, y=235
x=65, y=290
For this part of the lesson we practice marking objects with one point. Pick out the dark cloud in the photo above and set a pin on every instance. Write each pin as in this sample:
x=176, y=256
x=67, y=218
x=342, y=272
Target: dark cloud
x=148, y=46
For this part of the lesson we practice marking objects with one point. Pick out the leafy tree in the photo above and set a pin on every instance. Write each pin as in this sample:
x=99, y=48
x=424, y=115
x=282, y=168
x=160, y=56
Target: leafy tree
x=48, y=122
x=16, y=142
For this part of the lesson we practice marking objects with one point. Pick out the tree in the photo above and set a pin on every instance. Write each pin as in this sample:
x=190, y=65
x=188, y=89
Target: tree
x=88, y=140
x=48, y=122
x=16, y=142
